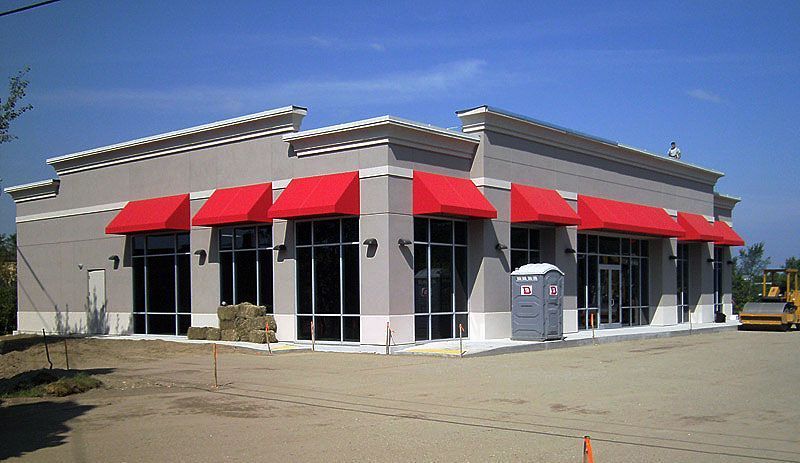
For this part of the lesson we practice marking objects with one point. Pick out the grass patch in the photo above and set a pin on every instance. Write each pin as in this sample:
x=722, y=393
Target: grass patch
x=48, y=383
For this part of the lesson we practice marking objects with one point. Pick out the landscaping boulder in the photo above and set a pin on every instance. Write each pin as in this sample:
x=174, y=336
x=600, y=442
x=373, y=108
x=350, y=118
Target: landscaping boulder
x=229, y=335
x=227, y=312
x=213, y=334
x=197, y=332
x=258, y=336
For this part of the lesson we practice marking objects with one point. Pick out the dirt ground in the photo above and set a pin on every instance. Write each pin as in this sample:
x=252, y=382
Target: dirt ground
x=708, y=397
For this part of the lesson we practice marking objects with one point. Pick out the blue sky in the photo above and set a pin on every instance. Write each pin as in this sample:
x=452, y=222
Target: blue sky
x=721, y=78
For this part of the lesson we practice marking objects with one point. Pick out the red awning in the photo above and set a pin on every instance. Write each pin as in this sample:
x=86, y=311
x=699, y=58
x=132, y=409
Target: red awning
x=729, y=236
x=170, y=213
x=697, y=228
x=443, y=195
x=243, y=204
x=334, y=194
x=606, y=214
x=531, y=204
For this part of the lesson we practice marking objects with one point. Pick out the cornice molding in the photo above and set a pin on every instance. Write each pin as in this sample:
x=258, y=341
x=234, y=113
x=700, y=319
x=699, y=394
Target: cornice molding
x=42, y=189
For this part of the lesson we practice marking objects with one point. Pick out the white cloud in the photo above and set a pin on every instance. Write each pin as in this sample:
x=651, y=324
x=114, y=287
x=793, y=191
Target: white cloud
x=413, y=85
x=704, y=95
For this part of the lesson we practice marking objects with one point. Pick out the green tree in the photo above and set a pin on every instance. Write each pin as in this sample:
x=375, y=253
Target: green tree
x=747, y=270
x=793, y=262
x=11, y=108
x=8, y=282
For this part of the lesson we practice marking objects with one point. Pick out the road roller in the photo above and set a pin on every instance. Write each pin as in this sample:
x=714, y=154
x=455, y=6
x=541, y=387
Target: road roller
x=778, y=308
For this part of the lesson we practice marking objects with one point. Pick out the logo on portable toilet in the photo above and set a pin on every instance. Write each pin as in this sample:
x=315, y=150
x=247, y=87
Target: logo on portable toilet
x=526, y=290
x=553, y=290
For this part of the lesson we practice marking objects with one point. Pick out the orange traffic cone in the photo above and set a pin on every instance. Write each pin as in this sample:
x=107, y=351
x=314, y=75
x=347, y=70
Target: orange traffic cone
x=587, y=450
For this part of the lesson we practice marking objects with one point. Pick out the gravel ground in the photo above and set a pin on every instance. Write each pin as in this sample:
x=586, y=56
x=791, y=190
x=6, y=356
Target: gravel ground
x=709, y=397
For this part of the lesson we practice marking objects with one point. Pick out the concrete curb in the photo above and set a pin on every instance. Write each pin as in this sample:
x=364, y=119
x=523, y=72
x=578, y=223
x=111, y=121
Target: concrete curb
x=548, y=345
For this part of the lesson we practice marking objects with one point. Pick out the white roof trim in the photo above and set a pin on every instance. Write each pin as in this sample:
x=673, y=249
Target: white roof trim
x=378, y=121
x=32, y=185
x=182, y=132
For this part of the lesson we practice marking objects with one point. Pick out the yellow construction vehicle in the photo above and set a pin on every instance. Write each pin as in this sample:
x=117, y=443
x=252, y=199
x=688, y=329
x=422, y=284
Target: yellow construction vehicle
x=775, y=309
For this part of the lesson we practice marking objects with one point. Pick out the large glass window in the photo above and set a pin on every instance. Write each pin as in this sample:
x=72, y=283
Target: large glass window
x=524, y=246
x=162, y=290
x=245, y=265
x=328, y=283
x=612, y=282
x=683, y=283
x=718, y=253
x=440, y=278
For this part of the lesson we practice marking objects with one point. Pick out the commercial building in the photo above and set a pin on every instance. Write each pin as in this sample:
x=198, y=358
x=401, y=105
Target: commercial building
x=355, y=225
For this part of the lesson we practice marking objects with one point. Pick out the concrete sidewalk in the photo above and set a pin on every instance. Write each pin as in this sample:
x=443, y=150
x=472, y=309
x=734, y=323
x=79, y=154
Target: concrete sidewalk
x=450, y=348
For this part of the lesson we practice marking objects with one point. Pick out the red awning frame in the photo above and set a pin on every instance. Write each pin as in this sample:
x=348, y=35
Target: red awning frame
x=435, y=194
x=236, y=205
x=729, y=235
x=168, y=213
x=540, y=205
x=608, y=214
x=697, y=228
x=318, y=196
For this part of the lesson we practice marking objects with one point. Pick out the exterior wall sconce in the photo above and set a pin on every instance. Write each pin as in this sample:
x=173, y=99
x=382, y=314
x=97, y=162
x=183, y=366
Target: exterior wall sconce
x=673, y=257
x=403, y=242
x=500, y=246
x=709, y=260
x=280, y=247
x=569, y=251
x=370, y=242
x=115, y=261
x=201, y=254
x=730, y=262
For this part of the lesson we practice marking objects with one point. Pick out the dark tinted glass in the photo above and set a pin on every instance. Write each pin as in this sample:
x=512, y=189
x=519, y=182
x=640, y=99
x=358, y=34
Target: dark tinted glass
x=635, y=247
x=519, y=238
x=441, y=231
x=182, y=243
x=160, y=244
x=581, y=282
x=644, y=246
x=535, y=256
x=441, y=326
x=326, y=231
x=645, y=282
x=226, y=278
x=461, y=287
x=184, y=322
x=626, y=246
x=303, y=280
x=137, y=245
x=626, y=282
x=303, y=233
x=441, y=279
x=581, y=242
x=463, y=320
x=139, y=324
x=265, y=279
x=349, y=230
x=421, y=230
x=326, y=280
x=304, y=328
x=352, y=329
x=635, y=295
x=265, y=236
x=460, y=230
x=245, y=238
x=518, y=259
x=534, y=241
x=591, y=278
x=225, y=239
x=328, y=328
x=161, y=324
x=609, y=245
x=245, y=276
x=184, y=283
x=592, y=244
x=138, y=285
x=421, y=327
x=161, y=284
x=421, y=279
x=350, y=278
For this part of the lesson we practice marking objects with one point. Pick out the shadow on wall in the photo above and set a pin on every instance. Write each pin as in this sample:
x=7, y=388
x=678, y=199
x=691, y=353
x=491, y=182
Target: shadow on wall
x=29, y=427
x=96, y=316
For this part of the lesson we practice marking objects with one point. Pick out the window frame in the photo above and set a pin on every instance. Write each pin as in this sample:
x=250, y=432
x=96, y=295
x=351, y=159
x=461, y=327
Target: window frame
x=530, y=250
x=233, y=251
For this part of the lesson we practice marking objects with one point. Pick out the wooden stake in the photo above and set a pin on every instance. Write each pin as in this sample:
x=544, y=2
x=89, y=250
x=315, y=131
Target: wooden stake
x=588, y=456
x=388, y=334
x=313, y=336
x=216, y=384
x=46, y=349
x=460, y=342
x=66, y=353
x=266, y=332
x=591, y=320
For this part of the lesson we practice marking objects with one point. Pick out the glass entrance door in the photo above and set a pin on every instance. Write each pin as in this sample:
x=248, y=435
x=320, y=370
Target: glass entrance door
x=610, y=308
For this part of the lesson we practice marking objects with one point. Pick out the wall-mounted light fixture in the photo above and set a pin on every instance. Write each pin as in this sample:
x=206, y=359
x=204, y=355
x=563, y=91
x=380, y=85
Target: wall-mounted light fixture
x=80, y=266
x=569, y=251
x=730, y=262
x=279, y=247
x=370, y=242
x=673, y=257
x=709, y=260
x=201, y=256
x=403, y=242
x=500, y=246
x=115, y=261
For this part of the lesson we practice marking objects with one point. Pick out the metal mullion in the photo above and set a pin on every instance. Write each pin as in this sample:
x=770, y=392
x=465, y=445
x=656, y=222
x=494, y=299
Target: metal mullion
x=341, y=283
x=146, y=293
x=233, y=276
x=258, y=270
x=428, y=265
x=175, y=281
